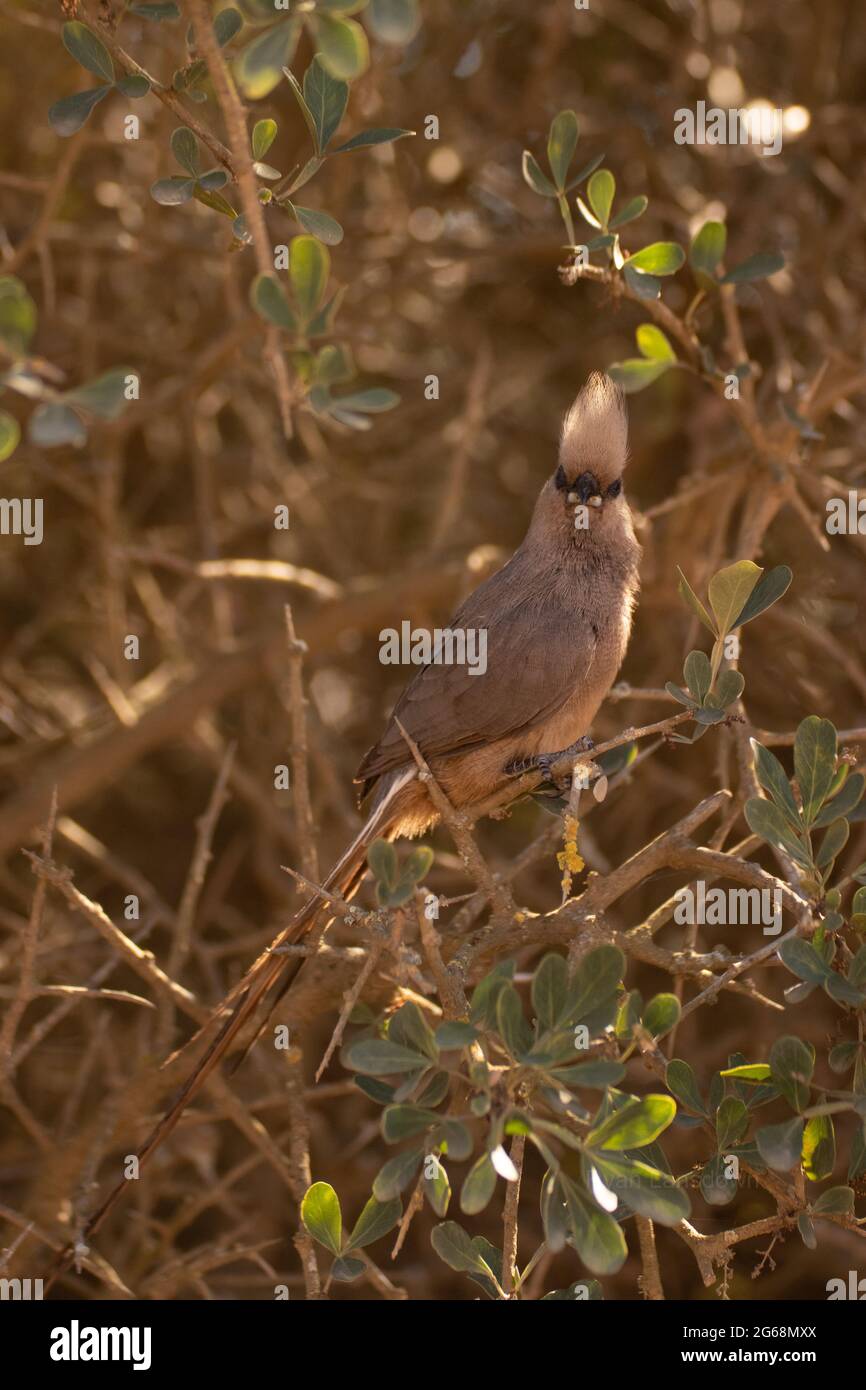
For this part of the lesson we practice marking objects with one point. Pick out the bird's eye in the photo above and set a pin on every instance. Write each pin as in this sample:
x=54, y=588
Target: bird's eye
x=560, y=479
x=615, y=488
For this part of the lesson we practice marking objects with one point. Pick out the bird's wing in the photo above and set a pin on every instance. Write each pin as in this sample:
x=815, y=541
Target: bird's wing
x=538, y=649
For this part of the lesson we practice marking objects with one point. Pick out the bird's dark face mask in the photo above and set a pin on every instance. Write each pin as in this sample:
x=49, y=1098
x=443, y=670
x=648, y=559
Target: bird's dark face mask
x=584, y=494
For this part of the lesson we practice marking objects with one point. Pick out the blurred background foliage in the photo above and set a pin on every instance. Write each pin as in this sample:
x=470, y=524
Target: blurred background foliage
x=450, y=267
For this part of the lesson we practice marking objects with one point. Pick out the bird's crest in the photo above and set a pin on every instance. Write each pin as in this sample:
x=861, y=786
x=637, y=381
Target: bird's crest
x=595, y=432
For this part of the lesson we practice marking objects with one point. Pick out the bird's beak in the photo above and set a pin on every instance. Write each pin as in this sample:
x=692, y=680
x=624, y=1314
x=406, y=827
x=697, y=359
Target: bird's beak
x=586, y=488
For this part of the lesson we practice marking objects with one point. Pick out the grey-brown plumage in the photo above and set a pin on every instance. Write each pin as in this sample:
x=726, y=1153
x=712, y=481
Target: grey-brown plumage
x=557, y=617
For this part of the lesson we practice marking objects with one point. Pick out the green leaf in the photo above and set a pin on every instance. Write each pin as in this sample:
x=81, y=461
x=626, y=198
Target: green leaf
x=382, y=135
x=766, y=820
x=689, y=596
x=135, y=85
x=729, y=688
x=633, y=209
x=320, y=225
x=172, y=192
x=561, y=144
x=320, y=1213
x=345, y=1269
x=717, y=1188
x=780, y=1145
x=846, y=801
x=394, y=21
x=87, y=50
x=549, y=989
x=750, y=1071
x=512, y=1026
x=660, y=258
x=661, y=1014
x=53, y=425
x=707, y=250
x=804, y=961
x=453, y=1245
x=18, y=315
x=806, y=1228
x=486, y=994
x=450, y=1036
x=309, y=268
x=636, y=373
x=405, y=1121
x=409, y=1028
x=814, y=763
x=596, y=978
x=600, y=193
x=644, y=1189
x=644, y=286
x=69, y=114
x=792, y=1063
x=768, y=590
x=538, y=182
x=269, y=301
x=857, y=968
x=653, y=344
x=396, y=1174
x=372, y=402
x=680, y=1081
x=105, y=396
x=226, y=25
x=478, y=1187
x=342, y=46
x=729, y=590
x=835, y=1201
x=842, y=1057
x=732, y=1121
x=598, y=1239
x=264, y=135
x=260, y=65
x=819, y=1148
x=634, y=1125
x=857, y=1162
x=184, y=147
x=375, y=1221
x=757, y=267
x=597, y=1074
x=382, y=859
x=214, y=200
x=583, y=173
x=834, y=841
x=437, y=1189
x=381, y=1057
x=698, y=675
x=10, y=435
x=773, y=779
x=325, y=97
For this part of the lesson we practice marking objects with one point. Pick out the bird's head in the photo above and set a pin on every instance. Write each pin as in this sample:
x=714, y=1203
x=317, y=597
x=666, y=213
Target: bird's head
x=593, y=452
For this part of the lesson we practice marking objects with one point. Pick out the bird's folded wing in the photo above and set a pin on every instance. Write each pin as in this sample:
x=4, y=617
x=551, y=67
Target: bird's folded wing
x=537, y=652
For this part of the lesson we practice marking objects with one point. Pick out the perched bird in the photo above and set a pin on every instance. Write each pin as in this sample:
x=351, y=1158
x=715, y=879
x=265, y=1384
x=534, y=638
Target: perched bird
x=557, y=618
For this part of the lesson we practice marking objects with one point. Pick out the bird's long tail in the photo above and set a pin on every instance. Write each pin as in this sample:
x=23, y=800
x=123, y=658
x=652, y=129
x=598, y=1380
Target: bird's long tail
x=245, y=999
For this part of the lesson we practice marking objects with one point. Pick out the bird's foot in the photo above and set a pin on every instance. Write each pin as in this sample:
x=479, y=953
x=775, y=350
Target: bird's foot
x=544, y=762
